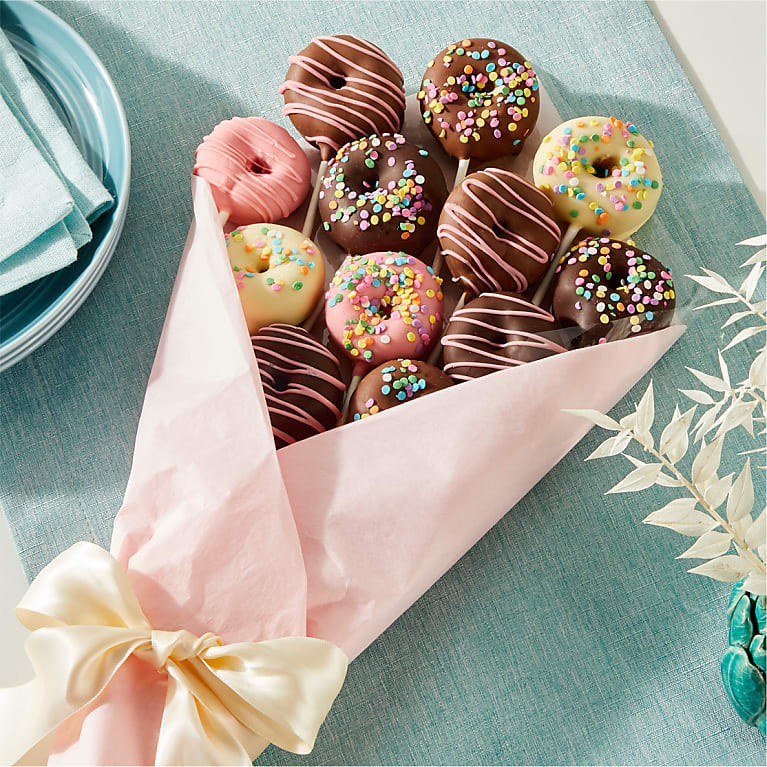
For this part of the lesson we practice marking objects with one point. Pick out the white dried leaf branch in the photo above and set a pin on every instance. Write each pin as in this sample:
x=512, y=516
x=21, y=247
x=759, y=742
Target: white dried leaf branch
x=717, y=511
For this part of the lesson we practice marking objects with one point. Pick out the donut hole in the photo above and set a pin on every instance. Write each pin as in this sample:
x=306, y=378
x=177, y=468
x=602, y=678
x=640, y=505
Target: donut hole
x=259, y=167
x=499, y=231
x=280, y=382
x=604, y=166
x=337, y=82
x=369, y=185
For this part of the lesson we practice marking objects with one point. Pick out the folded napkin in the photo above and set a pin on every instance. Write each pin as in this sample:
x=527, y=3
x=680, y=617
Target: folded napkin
x=88, y=192
x=48, y=193
x=34, y=241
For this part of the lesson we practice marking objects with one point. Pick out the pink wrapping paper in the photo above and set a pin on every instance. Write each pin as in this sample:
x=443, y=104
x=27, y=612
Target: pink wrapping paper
x=220, y=532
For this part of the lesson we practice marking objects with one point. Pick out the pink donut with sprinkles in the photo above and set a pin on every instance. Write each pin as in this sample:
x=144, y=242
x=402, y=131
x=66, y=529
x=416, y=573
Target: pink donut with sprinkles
x=382, y=306
x=256, y=170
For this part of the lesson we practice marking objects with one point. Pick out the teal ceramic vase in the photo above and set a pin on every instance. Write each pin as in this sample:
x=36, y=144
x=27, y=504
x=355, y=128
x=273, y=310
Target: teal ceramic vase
x=743, y=662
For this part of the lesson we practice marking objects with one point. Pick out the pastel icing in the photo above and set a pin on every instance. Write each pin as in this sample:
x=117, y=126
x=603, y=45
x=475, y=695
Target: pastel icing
x=601, y=174
x=256, y=169
x=279, y=273
x=382, y=306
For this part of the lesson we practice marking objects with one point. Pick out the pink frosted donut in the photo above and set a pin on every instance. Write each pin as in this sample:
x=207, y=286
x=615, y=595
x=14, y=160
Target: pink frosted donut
x=384, y=306
x=256, y=170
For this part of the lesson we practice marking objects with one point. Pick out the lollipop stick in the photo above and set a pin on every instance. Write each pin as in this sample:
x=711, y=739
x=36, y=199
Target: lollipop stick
x=223, y=217
x=463, y=169
x=311, y=212
x=308, y=323
x=564, y=246
x=436, y=262
x=437, y=350
x=353, y=384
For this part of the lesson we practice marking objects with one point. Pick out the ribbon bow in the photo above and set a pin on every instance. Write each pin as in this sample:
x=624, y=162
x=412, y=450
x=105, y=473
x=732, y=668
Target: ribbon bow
x=224, y=703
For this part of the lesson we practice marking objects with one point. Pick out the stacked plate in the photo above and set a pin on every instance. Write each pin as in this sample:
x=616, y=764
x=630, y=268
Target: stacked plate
x=85, y=98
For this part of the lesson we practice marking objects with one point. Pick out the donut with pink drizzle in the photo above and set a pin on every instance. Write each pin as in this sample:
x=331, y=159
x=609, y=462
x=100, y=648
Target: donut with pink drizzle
x=497, y=232
x=302, y=382
x=256, y=169
x=342, y=88
x=383, y=306
x=498, y=331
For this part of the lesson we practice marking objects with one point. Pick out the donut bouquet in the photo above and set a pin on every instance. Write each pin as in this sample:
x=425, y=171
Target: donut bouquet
x=359, y=376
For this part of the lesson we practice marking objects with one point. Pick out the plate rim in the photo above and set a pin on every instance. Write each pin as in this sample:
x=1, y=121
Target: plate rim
x=61, y=310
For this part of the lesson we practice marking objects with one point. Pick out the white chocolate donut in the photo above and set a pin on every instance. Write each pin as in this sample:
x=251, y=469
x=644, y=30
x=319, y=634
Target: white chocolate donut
x=280, y=274
x=601, y=175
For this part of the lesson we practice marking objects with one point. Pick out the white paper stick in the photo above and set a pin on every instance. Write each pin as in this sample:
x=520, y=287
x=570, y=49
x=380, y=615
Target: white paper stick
x=223, y=217
x=460, y=175
x=437, y=350
x=308, y=323
x=311, y=212
x=436, y=262
x=353, y=384
x=463, y=169
x=564, y=245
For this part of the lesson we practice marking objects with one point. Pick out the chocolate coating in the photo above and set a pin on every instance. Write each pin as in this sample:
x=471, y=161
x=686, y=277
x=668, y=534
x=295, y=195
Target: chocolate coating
x=393, y=383
x=497, y=232
x=302, y=382
x=341, y=88
x=480, y=99
x=612, y=290
x=498, y=331
x=382, y=193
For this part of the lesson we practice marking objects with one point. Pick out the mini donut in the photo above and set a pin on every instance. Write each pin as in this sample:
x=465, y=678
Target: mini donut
x=382, y=193
x=480, y=99
x=498, y=331
x=601, y=175
x=280, y=274
x=256, y=170
x=341, y=88
x=393, y=383
x=612, y=290
x=301, y=380
x=497, y=232
x=382, y=306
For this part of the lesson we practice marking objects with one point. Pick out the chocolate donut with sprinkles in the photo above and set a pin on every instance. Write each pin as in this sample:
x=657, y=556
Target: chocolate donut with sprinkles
x=497, y=232
x=393, y=383
x=480, y=99
x=382, y=193
x=382, y=306
x=341, y=88
x=498, y=331
x=612, y=290
x=302, y=382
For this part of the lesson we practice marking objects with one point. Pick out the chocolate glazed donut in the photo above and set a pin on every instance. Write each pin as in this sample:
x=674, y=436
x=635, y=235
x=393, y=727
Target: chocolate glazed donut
x=302, y=382
x=497, y=232
x=612, y=290
x=393, y=383
x=480, y=99
x=340, y=88
x=382, y=193
x=498, y=331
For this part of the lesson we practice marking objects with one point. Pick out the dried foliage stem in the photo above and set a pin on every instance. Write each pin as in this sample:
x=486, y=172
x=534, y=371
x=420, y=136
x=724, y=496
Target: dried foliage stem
x=740, y=542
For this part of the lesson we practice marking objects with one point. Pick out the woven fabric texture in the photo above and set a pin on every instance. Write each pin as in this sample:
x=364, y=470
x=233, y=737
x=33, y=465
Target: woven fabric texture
x=569, y=634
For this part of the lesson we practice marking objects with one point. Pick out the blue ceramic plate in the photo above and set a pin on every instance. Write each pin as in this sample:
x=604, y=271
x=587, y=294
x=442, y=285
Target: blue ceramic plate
x=85, y=98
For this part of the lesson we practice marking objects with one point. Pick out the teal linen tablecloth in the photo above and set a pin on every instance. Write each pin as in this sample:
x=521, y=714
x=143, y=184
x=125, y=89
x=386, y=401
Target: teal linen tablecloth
x=569, y=634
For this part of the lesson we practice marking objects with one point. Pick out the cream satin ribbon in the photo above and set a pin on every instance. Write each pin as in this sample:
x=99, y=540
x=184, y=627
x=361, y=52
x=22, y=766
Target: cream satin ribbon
x=224, y=704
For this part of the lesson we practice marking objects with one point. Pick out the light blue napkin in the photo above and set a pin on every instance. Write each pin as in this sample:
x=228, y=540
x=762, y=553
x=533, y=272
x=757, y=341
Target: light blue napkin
x=27, y=99
x=47, y=254
x=75, y=222
x=34, y=202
